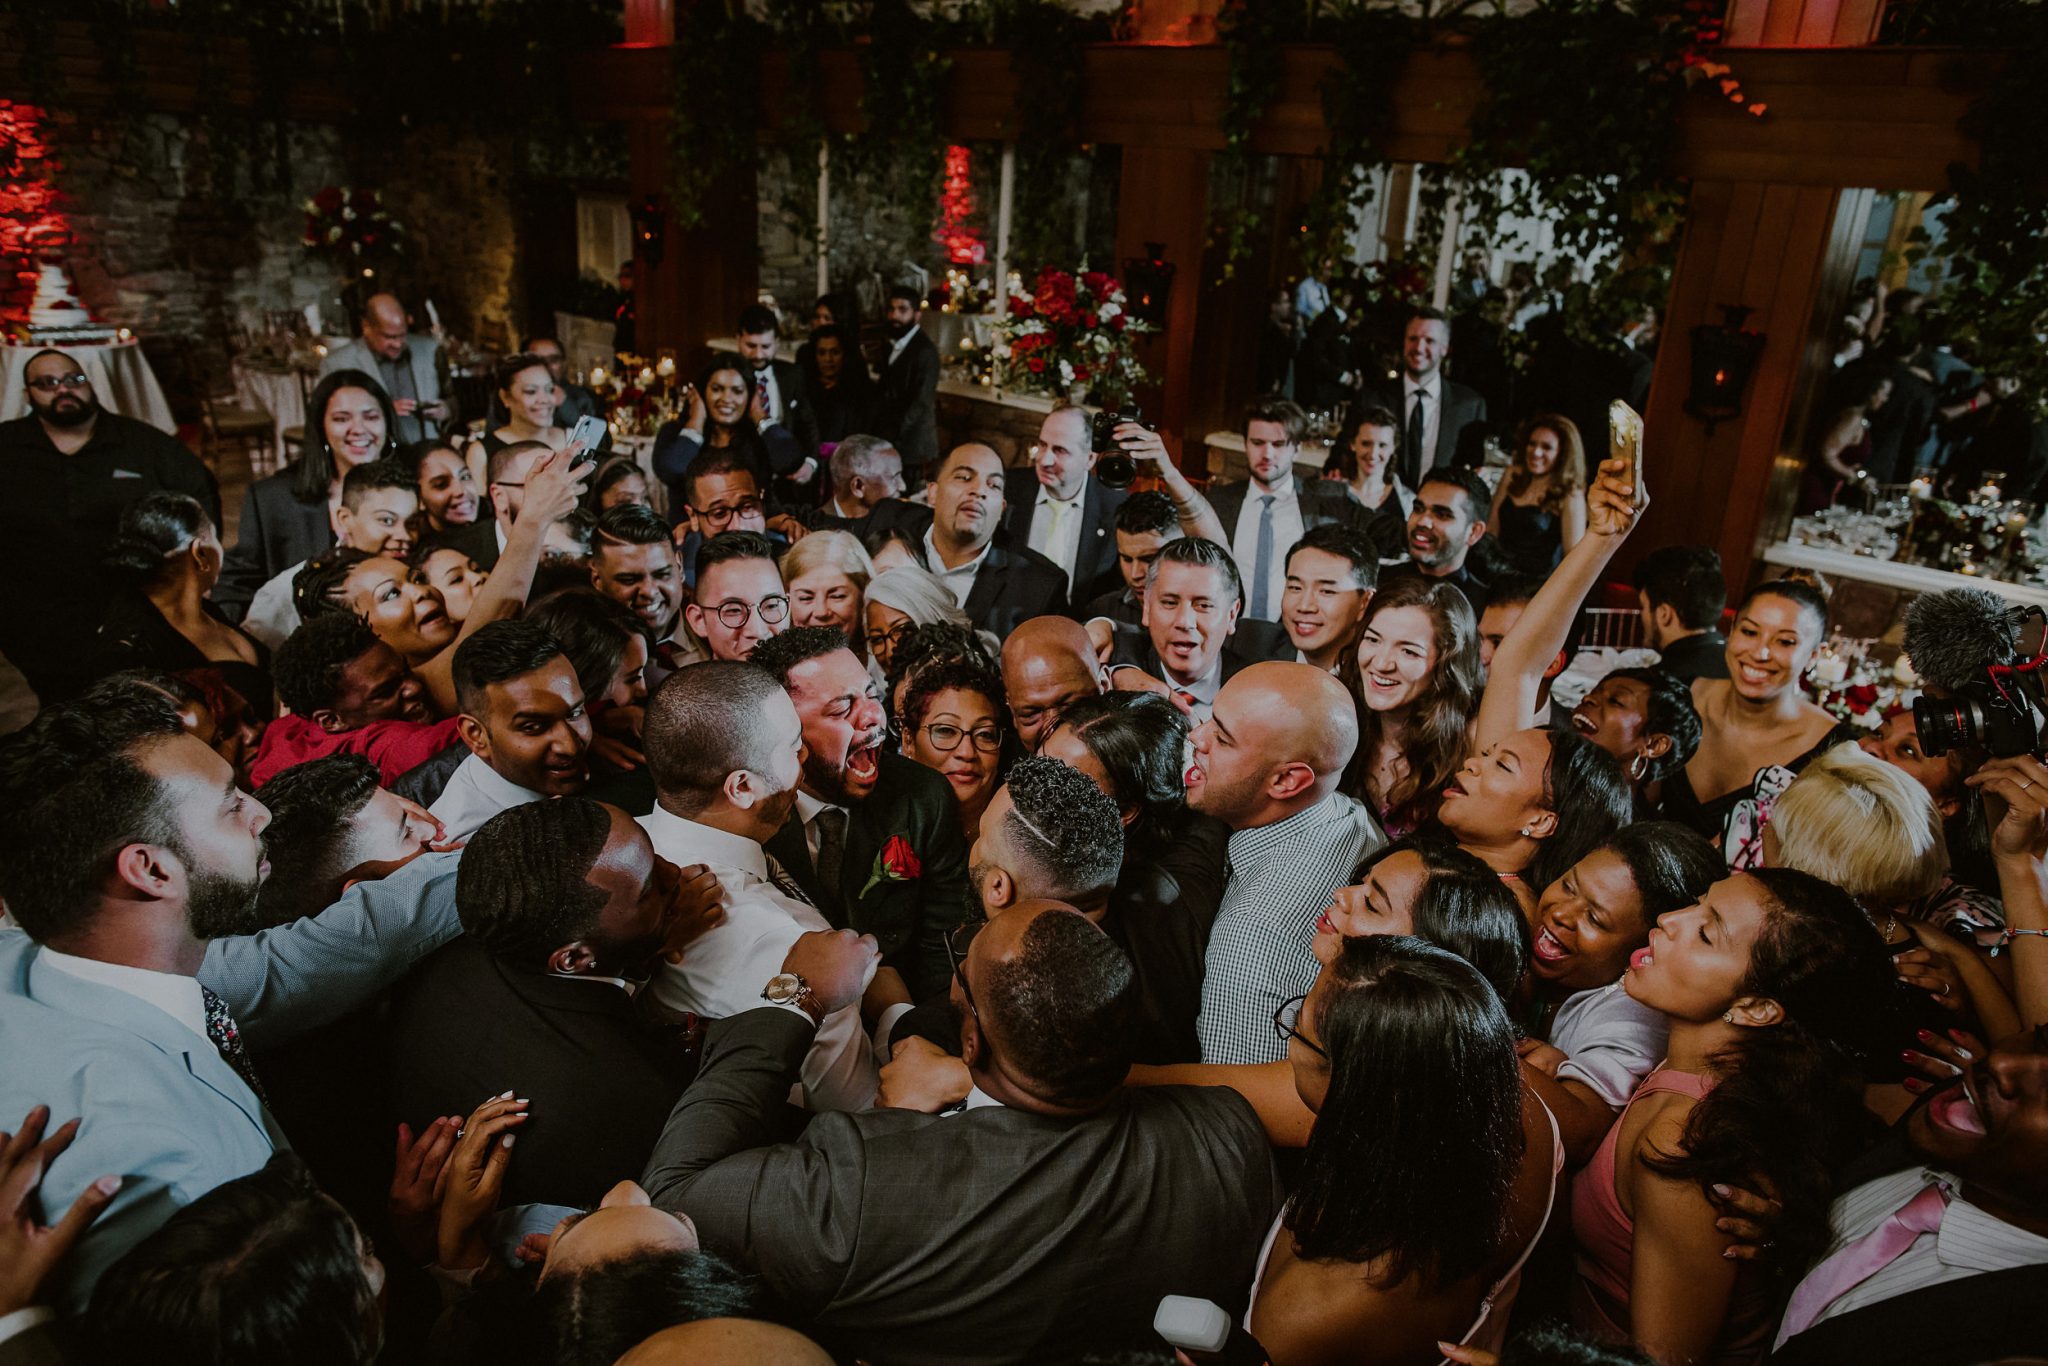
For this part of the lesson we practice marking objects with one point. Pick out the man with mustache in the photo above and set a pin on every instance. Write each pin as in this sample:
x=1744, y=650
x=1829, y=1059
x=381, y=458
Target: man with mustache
x=860, y=807
x=72, y=467
x=997, y=587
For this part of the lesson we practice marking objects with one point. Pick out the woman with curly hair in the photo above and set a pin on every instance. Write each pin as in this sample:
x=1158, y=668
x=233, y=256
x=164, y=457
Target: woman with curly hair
x=1539, y=510
x=1418, y=667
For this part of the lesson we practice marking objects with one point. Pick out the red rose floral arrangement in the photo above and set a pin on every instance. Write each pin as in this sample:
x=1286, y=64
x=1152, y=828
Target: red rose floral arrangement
x=1071, y=332
x=352, y=224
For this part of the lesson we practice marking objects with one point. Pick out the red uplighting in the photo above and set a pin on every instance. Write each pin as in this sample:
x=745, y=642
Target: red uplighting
x=30, y=223
x=963, y=243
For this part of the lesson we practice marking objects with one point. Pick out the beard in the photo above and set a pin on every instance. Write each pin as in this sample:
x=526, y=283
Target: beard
x=898, y=331
x=221, y=904
x=86, y=410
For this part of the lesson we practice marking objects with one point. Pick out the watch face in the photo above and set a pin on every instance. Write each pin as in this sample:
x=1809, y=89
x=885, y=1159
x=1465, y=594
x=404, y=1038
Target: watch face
x=783, y=988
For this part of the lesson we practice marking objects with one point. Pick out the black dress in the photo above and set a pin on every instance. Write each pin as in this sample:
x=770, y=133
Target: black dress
x=1710, y=817
x=135, y=635
x=1531, y=537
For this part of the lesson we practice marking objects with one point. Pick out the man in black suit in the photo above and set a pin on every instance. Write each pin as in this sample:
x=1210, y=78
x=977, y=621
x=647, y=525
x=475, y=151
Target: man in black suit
x=1049, y=663
x=1435, y=411
x=1680, y=593
x=1446, y=520
x=1006, y=1231
x=997, y=586
x=861, y=807
x=1070, y=518
x=779, y=395
x=907, y=407
x=1266, y=514
x=1973, y=1191
x=1193, y=640
x=1325, y=373
x=564, y=904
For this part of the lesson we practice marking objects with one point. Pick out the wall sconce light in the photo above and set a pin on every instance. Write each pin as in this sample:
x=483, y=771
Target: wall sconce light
x=650, y=228
x=1723, y=355
x=1148, y=281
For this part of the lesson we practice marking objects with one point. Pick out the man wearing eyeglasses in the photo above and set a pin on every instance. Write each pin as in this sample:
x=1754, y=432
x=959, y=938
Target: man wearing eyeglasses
x=740, y=600
x=721, y=494
x=72, y=466
x=858, y=801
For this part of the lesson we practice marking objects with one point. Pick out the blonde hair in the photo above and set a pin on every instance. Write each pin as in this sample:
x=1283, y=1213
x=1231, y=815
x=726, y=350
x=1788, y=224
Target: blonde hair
x=917, y=593
x=1863, y=825
x=838, y=550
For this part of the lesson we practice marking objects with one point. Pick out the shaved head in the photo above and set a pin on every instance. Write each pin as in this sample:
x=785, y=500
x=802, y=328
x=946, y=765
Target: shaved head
x=1276, y=742
x=727, y=1342
x=1048, y=664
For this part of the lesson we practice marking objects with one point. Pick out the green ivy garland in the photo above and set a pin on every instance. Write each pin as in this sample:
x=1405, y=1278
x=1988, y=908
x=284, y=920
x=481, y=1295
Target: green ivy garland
x=1252, y=34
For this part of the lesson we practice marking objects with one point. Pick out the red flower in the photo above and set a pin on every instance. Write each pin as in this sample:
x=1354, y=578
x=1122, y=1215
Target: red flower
x=1097, y=282
x=1861, y=697
x=1036, y=365
x=896, y=863
x=328, y=201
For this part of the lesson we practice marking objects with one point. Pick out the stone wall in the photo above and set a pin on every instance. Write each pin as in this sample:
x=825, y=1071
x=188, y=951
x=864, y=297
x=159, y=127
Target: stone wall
x=184, y=236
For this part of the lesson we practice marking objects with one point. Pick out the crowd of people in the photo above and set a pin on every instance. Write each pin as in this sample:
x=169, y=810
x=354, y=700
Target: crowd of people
x=826, y=897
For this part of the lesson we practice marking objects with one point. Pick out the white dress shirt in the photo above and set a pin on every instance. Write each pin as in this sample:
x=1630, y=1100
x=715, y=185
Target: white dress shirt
x=1244, y=543
x=1610, y=1040
x=1432, y=412
x=1200, y=692
x=959, y=581
x=897, y=346
x=175, y=994
x=271, y=616
x=1056, y=527
x=723, y=972
x=1969, y=1242
x=475, y=793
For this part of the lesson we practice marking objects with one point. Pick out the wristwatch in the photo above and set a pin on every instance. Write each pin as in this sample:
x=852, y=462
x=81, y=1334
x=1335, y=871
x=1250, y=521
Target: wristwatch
x=790, y=989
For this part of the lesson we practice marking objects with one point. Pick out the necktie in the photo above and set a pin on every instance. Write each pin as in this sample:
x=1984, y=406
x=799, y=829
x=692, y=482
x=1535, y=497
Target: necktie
x=1418, y=459
x=761, y=392
x=831, y=826
x=786, y=884
x=1262, y=560
x=1837, y=1275
x=221, y=1029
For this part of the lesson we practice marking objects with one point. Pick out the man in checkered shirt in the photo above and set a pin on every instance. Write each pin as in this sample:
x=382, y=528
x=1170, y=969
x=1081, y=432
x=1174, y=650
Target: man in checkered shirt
x=1266, y=764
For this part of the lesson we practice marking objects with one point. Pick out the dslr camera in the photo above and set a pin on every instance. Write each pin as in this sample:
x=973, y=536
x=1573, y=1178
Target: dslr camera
x=1968, y=648
x=1115, y=468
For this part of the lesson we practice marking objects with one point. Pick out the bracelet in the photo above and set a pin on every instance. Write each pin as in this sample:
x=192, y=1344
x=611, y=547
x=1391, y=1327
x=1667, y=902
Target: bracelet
x=2007, y=935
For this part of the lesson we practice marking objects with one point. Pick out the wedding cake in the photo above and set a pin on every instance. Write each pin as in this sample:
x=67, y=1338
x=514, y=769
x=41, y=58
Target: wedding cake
x=57, y=316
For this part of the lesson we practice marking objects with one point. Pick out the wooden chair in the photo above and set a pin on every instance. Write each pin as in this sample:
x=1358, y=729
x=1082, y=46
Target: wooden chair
x=225, y=423
x=294, y=437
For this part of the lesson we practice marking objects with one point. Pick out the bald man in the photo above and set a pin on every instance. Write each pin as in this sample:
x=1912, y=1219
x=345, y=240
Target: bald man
x=727, y=1342
x=1002, y=1232
x=997, y=586
x=1049, y=663
x=411, y=368
x=1267, y=763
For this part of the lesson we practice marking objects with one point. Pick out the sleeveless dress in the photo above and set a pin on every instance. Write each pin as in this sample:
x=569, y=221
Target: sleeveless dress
x=1489, y=1327
x=1605, y=1236
x=1532, y=537
x=1712, y=818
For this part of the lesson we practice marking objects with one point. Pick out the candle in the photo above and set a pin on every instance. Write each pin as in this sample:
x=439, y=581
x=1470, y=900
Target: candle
x=1988, y=494
x=1967, y=567
x=598, y=377
x=1902, y=672
x=1920, y=488
x=646, y=376
x=665, y=367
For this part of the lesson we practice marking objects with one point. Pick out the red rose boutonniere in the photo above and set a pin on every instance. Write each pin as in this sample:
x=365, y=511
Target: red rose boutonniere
x=896, y=863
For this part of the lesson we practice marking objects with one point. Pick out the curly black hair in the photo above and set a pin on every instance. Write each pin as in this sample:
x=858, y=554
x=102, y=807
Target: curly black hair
x=308, y=666
x=1067, y=827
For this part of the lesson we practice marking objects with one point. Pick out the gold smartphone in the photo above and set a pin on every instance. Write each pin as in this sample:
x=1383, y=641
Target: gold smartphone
x=1625, y=442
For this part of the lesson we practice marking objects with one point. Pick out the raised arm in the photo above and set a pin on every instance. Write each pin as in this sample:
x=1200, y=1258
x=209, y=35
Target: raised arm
x=1517, y=674
x=553, y=489
x=1267, y=1086
x=1196, y=517
x=2019, y=847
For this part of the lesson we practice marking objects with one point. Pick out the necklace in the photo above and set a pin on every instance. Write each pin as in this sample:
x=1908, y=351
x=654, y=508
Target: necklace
x=1891, y=927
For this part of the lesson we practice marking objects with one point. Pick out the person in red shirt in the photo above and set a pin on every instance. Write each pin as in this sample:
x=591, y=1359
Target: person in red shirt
x=347, y=692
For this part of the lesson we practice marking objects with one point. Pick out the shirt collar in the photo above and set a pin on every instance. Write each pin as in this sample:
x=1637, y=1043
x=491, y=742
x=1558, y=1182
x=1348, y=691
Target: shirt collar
x=931, y=554
x=1045, y=495
x=494, y=786
x=683, y=841
x=1971, y=1237
x=808, y=807
x=896, y=346
x=1247, y=846
x=1432, y=386
x=1203, y=689
x=175, y=994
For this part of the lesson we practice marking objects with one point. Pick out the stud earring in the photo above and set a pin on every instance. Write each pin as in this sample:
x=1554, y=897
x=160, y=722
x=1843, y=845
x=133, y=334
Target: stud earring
x=1728, y=1017
x=1525, y=833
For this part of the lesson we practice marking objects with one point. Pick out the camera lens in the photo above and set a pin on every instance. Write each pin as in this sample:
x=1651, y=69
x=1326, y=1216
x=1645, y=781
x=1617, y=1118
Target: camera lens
x=1116, y=470
x=1945, y=723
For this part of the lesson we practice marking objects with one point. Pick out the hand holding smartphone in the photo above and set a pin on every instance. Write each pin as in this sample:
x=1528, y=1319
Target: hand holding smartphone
x=1625, y=442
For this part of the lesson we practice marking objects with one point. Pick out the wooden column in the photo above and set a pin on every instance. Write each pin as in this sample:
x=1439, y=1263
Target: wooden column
x=1769, y=248
x=1164, y=197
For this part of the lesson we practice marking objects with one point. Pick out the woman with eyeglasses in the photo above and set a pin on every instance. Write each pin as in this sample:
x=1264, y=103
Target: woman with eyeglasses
x=898, y=601
x=953, y=722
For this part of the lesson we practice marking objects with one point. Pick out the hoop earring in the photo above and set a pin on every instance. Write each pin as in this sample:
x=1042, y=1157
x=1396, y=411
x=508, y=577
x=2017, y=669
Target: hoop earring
x=1638, y=766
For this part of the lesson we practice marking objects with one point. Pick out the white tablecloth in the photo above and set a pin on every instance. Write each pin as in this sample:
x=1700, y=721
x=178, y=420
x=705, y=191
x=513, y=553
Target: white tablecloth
x=1914, y=578
x=275, y=391
x=120, y=375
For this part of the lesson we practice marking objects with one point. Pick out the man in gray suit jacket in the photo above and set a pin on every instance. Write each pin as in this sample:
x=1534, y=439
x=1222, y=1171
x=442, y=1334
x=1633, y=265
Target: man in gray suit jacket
x=125, y=847
x=1027, y=1226
x=408, y=367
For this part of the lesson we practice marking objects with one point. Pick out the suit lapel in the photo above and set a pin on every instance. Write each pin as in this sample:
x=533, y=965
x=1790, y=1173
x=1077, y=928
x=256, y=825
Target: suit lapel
x=789, y=848
x=988, y=584
x=115, y=1009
